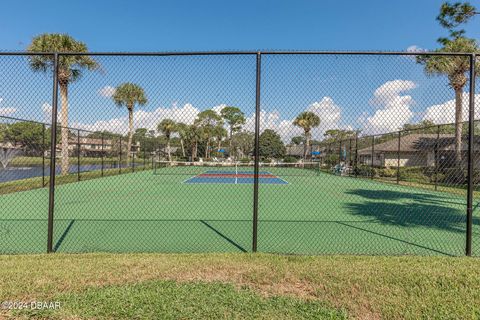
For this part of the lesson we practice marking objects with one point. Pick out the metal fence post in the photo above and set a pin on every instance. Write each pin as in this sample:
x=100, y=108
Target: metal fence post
x=350, y=152
x=102, y=153
x=256, y=153
x=53, y=151
x=356, y=155
x=373, y=151
x=120, y=156
x=339, y=152
x=43, y=155
x=153, y=153
x=398, y=156
x=144, y=154
x=78, y=155
x=436, y=157
x=471, y=132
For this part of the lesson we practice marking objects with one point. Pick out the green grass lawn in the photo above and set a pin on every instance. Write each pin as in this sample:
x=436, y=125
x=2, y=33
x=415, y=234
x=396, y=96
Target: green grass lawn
x=312, y=214
x=38, y=161
x=241, y=286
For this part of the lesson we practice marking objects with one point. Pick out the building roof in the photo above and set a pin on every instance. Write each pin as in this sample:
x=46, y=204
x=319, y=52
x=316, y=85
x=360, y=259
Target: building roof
x=295, y=150
x=298, y=150
x=418, y=142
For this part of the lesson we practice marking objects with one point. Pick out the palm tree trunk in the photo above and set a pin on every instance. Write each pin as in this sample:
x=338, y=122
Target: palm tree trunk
x=65, y=164
x=307, y=144
x=168, y=149
x=458, y=126
x=183, y=147
x=195, y=148
x=130, y=134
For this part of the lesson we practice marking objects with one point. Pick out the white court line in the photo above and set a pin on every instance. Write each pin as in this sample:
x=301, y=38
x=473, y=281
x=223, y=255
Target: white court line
x=236, y=179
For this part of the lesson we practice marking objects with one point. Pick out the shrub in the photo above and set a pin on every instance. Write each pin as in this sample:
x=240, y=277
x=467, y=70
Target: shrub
x=387, y=173
x=364, y=171
x=416, y=174
x=290, y=159
x=454, y=176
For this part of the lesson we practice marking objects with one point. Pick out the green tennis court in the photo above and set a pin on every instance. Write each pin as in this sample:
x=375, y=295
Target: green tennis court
x=314, y=213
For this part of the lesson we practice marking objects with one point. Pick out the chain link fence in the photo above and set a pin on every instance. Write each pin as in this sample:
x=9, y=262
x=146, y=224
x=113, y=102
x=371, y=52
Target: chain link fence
x=293, y=152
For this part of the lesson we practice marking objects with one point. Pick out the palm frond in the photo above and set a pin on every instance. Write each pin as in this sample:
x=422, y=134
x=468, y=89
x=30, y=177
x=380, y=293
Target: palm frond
x=71, y=66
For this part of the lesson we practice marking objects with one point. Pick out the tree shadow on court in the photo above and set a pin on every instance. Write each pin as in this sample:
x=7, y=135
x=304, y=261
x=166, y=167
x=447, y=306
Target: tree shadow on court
x=411, y=209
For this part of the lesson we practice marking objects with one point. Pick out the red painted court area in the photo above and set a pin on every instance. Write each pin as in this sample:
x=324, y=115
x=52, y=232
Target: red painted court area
x=235, y=175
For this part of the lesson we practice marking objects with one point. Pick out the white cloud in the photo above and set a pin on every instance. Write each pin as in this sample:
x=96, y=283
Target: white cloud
x=445, y=112
x=393, y=108
x=107, y=91
x=47, y=112
x=143, y=119
x=219, y=108
x=326, y=109
x=415, y=48
x=272, y=120
x=7, y=111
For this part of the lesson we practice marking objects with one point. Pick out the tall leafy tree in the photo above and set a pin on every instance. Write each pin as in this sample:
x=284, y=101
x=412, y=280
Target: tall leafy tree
x=244, y=142
x=3, y=131
x=70, y=68
x=207, y=120
x=427, y=126
x=235, y=118
x=140, y=136
x=270, y=145
x=334, y=135
x=192, y=137
x=298, y=140
x=307, y=121
x=167, y=127
x=219, y=133
x=28, y=134
x=128, y=95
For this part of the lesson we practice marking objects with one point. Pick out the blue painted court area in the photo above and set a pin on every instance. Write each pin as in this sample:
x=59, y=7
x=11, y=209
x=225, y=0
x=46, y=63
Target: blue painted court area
x=231, y=177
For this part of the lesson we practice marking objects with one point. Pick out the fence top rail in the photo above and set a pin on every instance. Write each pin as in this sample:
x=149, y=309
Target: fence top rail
x=213, y=53
x=46, y=124
x=23, y=120
x=355, y=135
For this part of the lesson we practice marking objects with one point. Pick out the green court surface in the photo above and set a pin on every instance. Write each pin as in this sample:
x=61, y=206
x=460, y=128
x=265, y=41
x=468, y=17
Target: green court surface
x=315, y=213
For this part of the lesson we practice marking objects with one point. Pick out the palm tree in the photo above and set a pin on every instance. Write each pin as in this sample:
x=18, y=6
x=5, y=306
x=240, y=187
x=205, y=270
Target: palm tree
x=456, y=69
x=192, y=136
x=167, y=127
x=307, y=120
x=235, y=119
x=182, y=129
x=128, y=95
x=207, y=120
x=70, y=68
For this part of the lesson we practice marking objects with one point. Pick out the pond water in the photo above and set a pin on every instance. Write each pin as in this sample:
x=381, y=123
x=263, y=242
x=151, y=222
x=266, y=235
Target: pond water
x=19, y=173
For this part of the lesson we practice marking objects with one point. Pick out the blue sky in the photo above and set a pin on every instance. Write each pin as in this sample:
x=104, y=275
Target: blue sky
x=148, y=25
x=375, y=94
